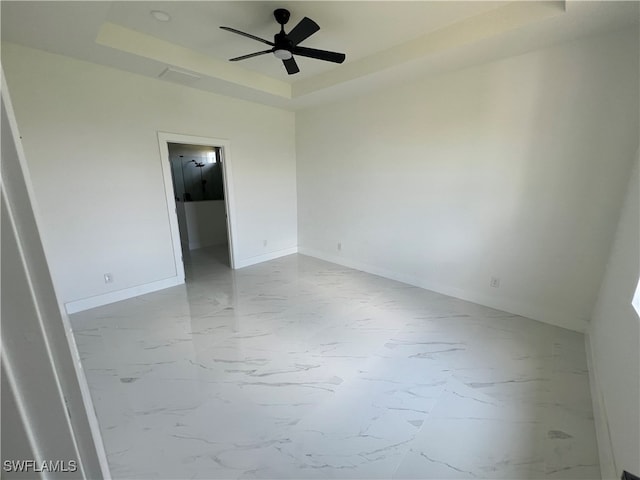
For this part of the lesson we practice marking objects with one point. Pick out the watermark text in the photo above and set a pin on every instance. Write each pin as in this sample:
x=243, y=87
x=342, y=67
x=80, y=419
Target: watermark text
x=54, y=466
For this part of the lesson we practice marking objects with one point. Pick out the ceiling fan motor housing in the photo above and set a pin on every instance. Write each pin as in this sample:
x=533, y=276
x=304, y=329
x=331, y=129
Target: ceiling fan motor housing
x=283, y=46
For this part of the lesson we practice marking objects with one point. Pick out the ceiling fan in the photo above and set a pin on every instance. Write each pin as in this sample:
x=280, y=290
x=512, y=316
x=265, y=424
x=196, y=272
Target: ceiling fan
x=286, y=45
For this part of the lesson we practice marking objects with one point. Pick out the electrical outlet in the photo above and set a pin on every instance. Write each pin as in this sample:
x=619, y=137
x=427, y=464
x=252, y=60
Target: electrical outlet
x=495, y=282
x=264, y=243
x=108, y=278
x=339, y=246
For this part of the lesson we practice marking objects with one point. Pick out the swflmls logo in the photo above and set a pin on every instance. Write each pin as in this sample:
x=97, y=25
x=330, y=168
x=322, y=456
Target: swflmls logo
x=54, y=466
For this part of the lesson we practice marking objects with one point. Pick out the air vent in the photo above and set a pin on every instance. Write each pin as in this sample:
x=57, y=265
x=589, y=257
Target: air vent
x=179, y=76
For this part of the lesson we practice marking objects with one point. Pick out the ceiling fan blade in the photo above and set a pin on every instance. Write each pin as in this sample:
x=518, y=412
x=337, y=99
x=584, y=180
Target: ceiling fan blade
x=291, y=66
x=319, y=54
x=229, y=29
x=243, y=57
x=303, y=30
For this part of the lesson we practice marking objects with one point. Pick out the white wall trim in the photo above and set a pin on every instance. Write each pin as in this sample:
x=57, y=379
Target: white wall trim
x=124, y=294
x=229, y=197
x=556, y=318
x=266, y=257
x=601, y=420
x=171, y=204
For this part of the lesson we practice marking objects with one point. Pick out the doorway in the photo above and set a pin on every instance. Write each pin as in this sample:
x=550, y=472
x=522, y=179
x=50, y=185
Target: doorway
x=197, y=182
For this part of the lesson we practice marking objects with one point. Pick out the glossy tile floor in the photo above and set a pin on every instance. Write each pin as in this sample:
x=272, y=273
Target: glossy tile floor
x=298, y=368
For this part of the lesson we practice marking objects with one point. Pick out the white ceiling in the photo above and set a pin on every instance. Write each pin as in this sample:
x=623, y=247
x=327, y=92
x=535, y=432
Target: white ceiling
x=385, y=41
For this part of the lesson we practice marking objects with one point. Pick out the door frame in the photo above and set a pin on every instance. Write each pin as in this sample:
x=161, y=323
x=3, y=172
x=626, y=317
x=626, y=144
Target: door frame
x=164, y=138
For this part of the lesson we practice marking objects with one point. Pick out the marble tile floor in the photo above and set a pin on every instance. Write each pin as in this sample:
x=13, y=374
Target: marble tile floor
x=299, y=368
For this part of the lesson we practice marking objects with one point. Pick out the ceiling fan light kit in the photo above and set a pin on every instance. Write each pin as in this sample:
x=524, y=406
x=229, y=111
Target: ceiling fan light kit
x=286, y=45
x=282, y=54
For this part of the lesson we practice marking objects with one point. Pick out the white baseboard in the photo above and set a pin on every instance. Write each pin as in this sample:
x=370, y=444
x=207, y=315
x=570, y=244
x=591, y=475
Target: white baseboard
x=603, y=435
x=245, y=262
x=558, y=319
x=118, y=295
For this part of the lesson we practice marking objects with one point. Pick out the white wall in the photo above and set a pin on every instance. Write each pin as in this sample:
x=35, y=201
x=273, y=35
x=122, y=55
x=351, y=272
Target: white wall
x=513, y=169
x=90, y=136
x=206, y=223
x=614, y=341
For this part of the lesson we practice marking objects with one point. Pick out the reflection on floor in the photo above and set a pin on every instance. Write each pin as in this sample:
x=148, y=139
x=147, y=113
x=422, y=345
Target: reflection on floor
x=298, y=368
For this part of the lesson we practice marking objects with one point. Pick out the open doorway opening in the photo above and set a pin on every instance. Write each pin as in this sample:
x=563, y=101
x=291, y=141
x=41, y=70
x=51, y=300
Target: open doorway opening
x=196, y=176
x=198, y=186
